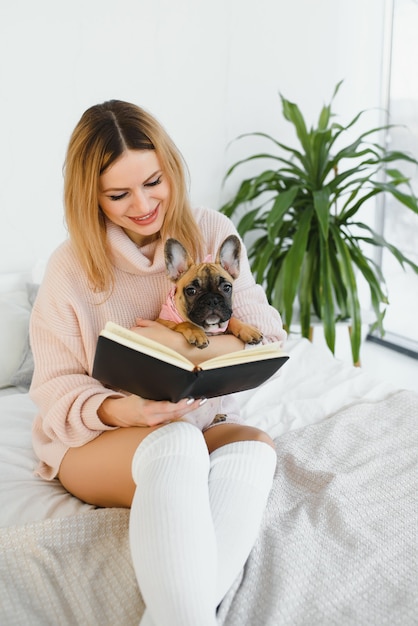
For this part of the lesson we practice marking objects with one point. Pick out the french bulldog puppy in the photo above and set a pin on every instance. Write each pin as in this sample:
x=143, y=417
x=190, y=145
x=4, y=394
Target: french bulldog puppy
x=201, y=302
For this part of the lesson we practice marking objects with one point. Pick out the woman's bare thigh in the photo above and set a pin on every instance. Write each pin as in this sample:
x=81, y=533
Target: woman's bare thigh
x=99, y=472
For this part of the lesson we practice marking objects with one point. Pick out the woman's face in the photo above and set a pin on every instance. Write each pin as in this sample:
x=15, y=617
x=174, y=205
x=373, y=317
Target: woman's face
x=133, y=193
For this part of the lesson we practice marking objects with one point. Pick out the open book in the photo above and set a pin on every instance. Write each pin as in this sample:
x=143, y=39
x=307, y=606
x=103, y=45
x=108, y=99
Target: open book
x=128, y=361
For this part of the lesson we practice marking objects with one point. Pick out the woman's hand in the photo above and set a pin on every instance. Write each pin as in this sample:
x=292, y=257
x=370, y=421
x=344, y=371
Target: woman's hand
x=135, y=411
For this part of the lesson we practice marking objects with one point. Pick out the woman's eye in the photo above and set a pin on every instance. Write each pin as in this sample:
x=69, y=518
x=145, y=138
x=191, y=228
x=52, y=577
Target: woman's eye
x=153, y=183
x=118, y=197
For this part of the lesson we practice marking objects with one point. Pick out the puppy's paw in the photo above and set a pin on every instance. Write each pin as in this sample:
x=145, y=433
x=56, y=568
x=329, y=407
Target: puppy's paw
x=195, y=336
x=245, y=332
x=199, y=340
x=250, y=334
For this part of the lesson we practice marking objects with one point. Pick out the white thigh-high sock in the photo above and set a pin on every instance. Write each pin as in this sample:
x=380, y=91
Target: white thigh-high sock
x=240, y=480
x=171, y=531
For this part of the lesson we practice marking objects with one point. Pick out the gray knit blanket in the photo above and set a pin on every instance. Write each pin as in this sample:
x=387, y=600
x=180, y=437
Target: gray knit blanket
x=338, y=544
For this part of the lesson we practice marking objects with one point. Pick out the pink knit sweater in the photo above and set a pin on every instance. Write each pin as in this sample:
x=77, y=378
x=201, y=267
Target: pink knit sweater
x=68, y=317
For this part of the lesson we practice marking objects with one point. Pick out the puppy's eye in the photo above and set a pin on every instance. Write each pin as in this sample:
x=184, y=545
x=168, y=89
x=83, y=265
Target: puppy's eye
x=227, y=287
x=190, y=291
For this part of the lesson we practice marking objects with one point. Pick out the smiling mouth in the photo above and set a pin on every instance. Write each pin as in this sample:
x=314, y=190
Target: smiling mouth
x=145, y=218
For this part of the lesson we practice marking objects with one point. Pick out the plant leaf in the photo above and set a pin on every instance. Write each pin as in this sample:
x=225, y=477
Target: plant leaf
x=326, y=295
x=247, y=222
x=293, y=262
x=321, y=202
x=349, y=278
x=281, y=205
x=378, y=240
x=292, y=113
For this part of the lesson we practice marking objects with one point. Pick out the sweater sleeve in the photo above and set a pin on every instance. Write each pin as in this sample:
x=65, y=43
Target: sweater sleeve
x=67, y=397
x=62, y=341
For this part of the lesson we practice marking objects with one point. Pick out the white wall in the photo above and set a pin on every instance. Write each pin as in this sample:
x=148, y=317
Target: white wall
x=208, y=70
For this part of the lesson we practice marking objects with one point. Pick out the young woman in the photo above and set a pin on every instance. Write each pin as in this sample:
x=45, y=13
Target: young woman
x=196, y=493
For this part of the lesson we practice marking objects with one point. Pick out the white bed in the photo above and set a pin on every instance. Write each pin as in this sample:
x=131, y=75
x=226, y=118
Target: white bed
x=338, y=544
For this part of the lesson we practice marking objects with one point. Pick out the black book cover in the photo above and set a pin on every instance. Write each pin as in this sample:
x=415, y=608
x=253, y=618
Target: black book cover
x=121, y=367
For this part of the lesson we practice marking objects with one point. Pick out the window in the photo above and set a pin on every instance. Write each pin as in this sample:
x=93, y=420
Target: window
x=398, y=224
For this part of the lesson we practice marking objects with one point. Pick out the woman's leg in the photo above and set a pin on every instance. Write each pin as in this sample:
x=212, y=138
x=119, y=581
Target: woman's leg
x=242, y=465
x=236, y=487
x=100, y=472
x=171, y=531
x=163, y=475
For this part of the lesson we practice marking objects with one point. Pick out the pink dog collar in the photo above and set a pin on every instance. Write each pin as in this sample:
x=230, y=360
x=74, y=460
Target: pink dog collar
x=169, y=309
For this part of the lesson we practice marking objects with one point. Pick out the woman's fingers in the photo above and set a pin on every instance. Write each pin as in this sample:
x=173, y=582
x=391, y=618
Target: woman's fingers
x=160, y=412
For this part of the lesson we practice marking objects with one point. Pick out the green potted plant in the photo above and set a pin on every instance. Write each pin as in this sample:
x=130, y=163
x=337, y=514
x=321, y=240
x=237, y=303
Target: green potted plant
x=308, y=243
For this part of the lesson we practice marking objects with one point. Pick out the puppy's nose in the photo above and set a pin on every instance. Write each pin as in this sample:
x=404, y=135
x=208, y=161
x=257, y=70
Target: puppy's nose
x=213, y=301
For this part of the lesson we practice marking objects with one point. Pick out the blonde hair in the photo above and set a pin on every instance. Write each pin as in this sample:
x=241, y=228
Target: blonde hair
x=104, y=132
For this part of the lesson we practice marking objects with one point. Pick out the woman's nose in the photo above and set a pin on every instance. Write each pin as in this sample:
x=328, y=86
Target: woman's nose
x=141, y=201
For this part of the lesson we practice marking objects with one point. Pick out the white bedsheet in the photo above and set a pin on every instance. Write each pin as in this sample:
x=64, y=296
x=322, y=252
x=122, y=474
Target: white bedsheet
x=312, y=386
x=25, y=497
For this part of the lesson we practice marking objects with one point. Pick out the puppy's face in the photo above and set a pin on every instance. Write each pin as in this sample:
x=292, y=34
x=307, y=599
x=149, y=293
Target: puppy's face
x=204, y=290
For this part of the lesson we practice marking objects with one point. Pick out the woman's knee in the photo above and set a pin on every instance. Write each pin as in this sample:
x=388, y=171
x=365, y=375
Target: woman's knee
x=224, y=434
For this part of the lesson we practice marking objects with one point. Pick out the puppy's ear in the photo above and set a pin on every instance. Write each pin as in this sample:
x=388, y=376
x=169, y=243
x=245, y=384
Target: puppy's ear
x=177, y=259
x=228, y=255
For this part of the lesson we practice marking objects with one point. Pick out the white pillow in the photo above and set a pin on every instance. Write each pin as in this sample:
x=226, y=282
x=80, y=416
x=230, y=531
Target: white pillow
x=14, y=329
x=12, y=282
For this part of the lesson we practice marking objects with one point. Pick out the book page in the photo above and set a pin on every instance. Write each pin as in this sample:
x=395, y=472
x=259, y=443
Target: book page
x=132, y=340
x=256, y=353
